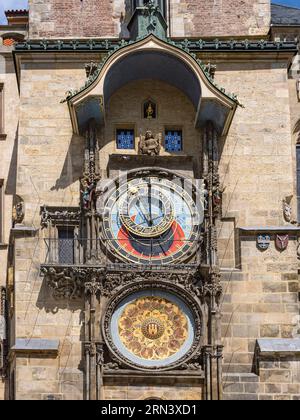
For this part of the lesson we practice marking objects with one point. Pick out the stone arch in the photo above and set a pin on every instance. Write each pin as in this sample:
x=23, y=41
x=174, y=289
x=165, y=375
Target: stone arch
x=152, y=58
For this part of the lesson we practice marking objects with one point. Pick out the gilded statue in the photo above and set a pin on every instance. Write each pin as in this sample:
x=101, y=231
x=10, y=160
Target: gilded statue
x=150, y=111
x=149, y=145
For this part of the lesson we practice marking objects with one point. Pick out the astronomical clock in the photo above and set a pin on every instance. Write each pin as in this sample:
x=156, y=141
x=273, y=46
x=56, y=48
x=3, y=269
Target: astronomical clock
x=152, y=219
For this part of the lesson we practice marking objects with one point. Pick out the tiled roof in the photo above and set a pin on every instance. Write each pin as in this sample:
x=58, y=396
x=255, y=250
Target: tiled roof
x=284, y=15
x=16, y=12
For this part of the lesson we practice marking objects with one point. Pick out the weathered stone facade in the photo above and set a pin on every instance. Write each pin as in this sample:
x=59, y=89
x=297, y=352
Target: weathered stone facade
x=242, y=153
x=186, y=18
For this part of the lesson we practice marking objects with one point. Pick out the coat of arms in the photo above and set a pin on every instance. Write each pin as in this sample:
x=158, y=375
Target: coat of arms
x=282, y=242
x=263, y=242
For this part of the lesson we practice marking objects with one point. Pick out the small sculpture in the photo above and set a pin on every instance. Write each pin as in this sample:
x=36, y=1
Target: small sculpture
x=87, y=193
x=149, y=145
x=149, y=110
x=210, y=69
x=90, y=69
x=287, y=210
x=18, y=211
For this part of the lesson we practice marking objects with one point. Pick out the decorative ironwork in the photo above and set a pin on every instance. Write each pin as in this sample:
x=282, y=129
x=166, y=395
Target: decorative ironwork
x=194, y=45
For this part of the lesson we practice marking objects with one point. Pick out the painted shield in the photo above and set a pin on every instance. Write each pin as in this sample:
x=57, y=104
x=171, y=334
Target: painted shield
x=263, y=242
x=282, y=242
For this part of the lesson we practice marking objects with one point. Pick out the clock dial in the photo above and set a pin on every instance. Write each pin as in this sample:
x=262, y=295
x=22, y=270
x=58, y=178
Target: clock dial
x=146, y=211
x=151, y=220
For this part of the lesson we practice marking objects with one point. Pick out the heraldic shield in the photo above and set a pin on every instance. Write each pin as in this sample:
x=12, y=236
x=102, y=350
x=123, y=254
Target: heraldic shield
x=263, y=242
x=282, y=242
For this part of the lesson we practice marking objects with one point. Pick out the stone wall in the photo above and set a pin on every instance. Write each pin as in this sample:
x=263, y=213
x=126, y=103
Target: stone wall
x=136, y=389
x=278, y=379
x=220, y=18
x=187, y=18
x=260, y=134
x=76, y=19
x=8, y=149
x=259, y=302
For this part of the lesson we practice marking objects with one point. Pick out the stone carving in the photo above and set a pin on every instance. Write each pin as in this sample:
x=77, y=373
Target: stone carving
x=149, y=145
x=90, y=69
x=93, y=287
x=64, y=283
x=210, y=69
x=70, y=282
x=18, y=212
x=287, y=210
x=54, y=215
x=88, y=193
x=100, y=354
x=212, y=288
x=91, y=174
x=298, y=247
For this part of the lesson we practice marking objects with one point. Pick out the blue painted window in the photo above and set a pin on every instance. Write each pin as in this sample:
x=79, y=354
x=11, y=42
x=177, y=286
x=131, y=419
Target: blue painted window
x=125, y=139
x=173, y=141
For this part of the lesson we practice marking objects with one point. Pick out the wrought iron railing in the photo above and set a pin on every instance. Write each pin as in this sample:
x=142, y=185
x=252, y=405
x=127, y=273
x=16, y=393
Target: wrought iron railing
x=79, y=251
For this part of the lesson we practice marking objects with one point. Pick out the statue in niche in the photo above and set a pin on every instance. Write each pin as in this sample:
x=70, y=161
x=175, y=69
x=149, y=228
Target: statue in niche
x=149, y=145
x=18, y=212
x=150, y=110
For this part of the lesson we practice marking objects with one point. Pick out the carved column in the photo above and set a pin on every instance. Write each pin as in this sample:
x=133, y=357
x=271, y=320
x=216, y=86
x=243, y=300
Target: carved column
x=212, y=289
x=93, y=341
x=91, y=175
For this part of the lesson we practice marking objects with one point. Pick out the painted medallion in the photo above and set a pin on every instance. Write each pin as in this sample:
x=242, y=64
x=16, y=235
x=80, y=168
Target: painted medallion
x=152, y=329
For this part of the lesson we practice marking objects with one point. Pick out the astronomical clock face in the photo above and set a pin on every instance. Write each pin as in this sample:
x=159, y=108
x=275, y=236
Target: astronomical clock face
x=151, y=220
x=152, y=329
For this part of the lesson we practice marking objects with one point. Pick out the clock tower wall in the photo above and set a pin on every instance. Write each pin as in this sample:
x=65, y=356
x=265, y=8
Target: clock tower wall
x=174, y=111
